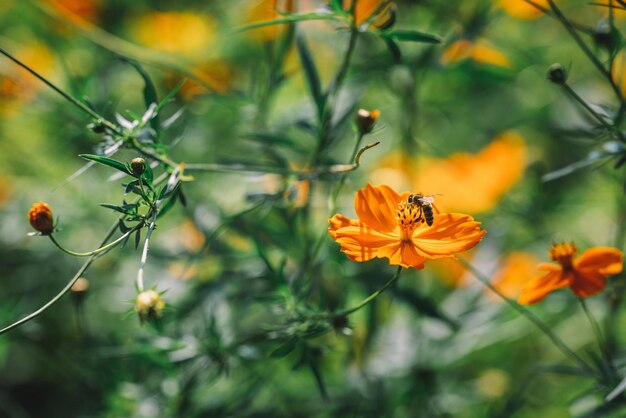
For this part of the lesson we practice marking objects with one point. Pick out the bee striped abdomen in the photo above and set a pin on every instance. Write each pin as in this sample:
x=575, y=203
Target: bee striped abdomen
x=429, y=216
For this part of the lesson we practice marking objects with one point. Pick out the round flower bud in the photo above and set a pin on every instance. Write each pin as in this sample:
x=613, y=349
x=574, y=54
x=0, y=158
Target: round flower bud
x=366, y=120
x=149, y=305
x=79, y=289
x=605, y=36
x=138, y=166
x=557, y=74
x=40, y=218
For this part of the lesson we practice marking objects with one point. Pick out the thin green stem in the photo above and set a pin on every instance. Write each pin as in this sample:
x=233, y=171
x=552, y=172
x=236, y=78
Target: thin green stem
x=543, y=327
x=371, y=297
x=596, y=330
x=65, y=95
x=63, y=291
x=144, y=253
x=94, y=252
x=583, y=46
x=588, y=108
x=344, y=176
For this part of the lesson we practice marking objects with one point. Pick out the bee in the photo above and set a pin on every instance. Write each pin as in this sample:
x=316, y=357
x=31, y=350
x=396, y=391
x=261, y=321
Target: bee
x=425, y=203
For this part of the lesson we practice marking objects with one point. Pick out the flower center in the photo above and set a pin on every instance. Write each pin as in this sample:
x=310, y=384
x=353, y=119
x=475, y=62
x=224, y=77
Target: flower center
x=409, y=217
x=563, y=253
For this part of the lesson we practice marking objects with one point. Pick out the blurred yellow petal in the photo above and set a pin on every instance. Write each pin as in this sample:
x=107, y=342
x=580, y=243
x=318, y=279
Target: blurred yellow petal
x=521, y=9
x=473, y=183
x=457, y=52
x=266, y=11
x=176, y=32
x=76, y=10
x=484, y=53
x=515, y=271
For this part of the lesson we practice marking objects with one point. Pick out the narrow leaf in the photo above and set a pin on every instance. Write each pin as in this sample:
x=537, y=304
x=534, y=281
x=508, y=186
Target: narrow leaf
x=311, y=74
x=108, y=162
x=412, y=36
x=149, y=94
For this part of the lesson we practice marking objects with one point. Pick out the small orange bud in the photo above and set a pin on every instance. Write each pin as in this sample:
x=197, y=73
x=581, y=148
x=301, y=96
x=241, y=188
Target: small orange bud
x=366, y=120
x=40, y=218
x=149, y=305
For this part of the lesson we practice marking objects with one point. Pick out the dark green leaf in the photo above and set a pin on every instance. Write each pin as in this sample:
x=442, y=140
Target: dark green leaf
x=170, y=95
x=394, y=50
x=108, y=162
x=137, y=238
x=149, y=94
x=311, y=74
x=148, y=175
x=284, y=349
x=411, y=35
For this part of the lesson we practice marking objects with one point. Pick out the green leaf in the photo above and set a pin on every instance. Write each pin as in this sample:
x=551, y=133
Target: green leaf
x=148, y=175
x=290, y=18
x=170, y=95
x=137, y=238
x=411, y=35
x=284, y=349
x=394, y=50
x=619, y=389
x=149, y=94
x=311, y=74
x=108, y=162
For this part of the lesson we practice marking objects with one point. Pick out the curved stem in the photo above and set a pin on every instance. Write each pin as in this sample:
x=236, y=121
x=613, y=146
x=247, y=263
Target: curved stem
x=144, y=254
x=371, y=297
x=94, y=252
x=63, y=291
x=65, y=95
x=543, y=327
x=596, y=330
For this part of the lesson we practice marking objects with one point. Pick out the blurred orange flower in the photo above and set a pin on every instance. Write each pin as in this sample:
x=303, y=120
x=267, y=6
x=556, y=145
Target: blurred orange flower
x=479, y=51
x=585, y=275
x=474, y=182
x=266, y=11
x=18, y=85
x=176, y=32
x=522, y=9
x=77, y=10
x=365, y=8
x=388, y=226
x=40, y=218
x=513, y=273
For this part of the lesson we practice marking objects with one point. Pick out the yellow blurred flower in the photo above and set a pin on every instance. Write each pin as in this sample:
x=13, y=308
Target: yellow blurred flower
x=521, y=9
x=76, y=10
x=176, y=32
x=473, y=183
x=479, y=51
x=450, y=271
x=18, y=85
x=513, y=273
x=619, y=71
x=365, y=8
x=6, y=190
x=266, y=11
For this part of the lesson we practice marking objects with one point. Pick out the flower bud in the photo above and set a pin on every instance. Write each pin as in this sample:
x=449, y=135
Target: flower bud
x=149, y=305
x=366, y=120
x=605, y=36
x=40, y=218
x=96, y=127
x=79, y=289
x=557, y=74
x=138, y=166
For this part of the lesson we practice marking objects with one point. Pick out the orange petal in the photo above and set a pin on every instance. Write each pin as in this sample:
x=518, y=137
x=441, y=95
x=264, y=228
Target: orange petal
x=587, y=283
x=357, y=240
x=403, y=254
x=376, y=206
x=450, y=233
x=602, y=260
x=540, y=286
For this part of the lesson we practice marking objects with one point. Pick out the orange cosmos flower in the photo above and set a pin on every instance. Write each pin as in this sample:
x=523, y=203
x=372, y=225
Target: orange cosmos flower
x=479, y=51
x=266, y=11
x=585, y=275
x=365, y=8
x=40, y=218
x=388, y=226
x=521, y=9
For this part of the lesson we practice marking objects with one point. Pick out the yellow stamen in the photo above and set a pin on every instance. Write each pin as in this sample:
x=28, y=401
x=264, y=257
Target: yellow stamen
x=563, y=253
x=408, y=217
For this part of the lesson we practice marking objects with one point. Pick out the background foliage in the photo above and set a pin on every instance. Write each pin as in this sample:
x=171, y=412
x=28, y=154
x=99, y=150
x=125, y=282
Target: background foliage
x=239, y=264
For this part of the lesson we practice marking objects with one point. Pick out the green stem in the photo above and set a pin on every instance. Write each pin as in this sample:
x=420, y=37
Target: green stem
x=596, y=330
x=94, y=252
x=588, y=108
x=583, y=46
x=543, y=327
x=63, y=291
x=65, y=95
x=371, y=297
